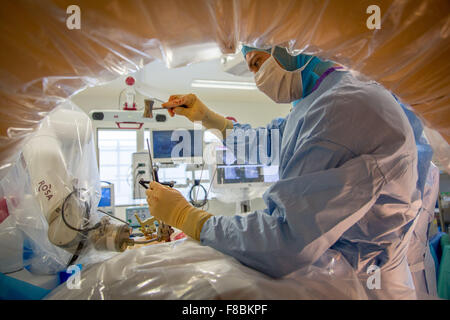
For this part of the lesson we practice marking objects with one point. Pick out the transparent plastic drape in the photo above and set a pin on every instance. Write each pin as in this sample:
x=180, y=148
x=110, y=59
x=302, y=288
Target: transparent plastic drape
x=43, y=62
x=200, y=272
x=50, y=194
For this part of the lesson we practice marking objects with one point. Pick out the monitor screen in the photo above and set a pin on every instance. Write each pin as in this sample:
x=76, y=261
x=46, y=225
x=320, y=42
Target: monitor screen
x=271, y=174
x=164, y=142
x=105, y=200
x=239, y=174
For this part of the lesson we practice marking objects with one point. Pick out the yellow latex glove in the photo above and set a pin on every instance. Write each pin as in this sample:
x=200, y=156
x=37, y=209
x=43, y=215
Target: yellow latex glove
x=196, y=110
x=169, y=205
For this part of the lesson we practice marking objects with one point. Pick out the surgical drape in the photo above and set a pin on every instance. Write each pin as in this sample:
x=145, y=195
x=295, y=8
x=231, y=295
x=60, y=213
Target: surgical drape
x=43, y=62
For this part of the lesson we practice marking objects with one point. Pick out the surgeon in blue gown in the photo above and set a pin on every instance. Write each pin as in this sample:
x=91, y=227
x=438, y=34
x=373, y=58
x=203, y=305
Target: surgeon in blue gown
x=348, y=175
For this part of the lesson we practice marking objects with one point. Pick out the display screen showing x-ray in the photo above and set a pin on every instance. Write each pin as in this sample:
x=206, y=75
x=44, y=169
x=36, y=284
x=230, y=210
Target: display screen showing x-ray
x=165, y=142
x=227, y=174
x=231, y=173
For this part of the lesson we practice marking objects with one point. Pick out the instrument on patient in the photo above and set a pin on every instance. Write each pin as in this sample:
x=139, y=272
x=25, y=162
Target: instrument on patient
x=148, y=227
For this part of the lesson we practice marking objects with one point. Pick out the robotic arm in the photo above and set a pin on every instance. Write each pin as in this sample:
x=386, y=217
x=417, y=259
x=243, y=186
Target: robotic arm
x=65, y=200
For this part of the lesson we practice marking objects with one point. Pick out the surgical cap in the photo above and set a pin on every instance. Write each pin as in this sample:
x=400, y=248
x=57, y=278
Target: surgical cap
x=247, y=49
x=288, y=61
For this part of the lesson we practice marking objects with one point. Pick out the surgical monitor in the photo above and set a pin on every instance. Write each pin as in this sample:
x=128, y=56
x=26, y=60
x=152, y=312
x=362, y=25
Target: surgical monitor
x=107, y=198
x=244, y=175
x=177, y=146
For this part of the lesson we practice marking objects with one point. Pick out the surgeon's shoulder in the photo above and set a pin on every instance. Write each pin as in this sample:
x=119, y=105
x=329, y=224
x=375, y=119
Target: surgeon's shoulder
x=361, y=115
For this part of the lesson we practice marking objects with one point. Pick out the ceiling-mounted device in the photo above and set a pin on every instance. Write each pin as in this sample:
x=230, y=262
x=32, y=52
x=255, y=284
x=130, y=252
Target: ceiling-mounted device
x=125, y=119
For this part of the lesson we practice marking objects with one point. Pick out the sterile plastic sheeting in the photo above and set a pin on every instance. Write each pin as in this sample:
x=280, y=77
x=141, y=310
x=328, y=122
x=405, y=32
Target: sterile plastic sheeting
x=184, y=269
x=26, y=228
x=57, y=169
x=441, y=150
x=43, y=61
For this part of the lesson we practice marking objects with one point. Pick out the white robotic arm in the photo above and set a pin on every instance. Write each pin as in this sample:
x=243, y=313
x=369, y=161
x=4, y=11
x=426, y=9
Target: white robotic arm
x=65, y=203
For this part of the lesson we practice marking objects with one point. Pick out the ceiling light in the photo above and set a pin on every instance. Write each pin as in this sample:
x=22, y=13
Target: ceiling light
x=218, y=84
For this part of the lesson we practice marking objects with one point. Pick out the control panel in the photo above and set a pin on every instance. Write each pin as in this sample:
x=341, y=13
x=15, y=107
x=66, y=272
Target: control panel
x=141, y=211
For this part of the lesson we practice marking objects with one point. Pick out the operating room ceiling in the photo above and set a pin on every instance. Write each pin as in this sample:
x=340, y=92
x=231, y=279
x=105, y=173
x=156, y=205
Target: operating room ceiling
x=161, y=82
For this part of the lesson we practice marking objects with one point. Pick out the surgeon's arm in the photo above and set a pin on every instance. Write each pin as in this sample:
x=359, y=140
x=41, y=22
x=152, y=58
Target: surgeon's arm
x=305, y=214
x=241, y=135
x=325, y=188
x=216, y=121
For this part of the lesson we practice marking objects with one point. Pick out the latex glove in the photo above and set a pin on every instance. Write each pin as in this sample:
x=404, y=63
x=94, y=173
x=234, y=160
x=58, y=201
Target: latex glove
x=169, y=206
x=196, y=110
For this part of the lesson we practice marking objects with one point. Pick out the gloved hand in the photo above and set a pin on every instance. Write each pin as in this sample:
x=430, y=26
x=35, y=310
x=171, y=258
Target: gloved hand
x=169, y=205
x=195, y=110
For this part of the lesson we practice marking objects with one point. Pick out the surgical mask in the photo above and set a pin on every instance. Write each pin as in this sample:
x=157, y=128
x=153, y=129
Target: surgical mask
x=280, y=85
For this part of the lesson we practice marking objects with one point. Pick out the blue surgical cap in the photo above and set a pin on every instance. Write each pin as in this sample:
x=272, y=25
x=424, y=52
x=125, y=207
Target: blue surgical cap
x=247, y=49
x=289, y=62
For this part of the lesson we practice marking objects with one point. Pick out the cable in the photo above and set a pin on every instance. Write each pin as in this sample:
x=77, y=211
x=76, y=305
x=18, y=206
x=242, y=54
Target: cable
x=201, y=175
x=212, y=181
x=112, y=216
x=136, y=184
x=87, y=215
x=84, y=232
x=78, y=250
x=195, y=202
x=145, y=242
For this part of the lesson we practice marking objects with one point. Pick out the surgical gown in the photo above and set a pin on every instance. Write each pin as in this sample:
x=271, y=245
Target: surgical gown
x=348, y=181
